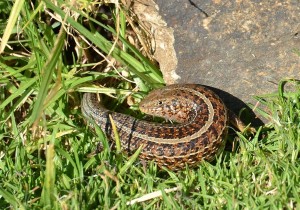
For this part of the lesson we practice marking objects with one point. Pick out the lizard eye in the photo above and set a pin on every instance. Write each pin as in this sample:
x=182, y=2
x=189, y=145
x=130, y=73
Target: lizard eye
x=159, y=102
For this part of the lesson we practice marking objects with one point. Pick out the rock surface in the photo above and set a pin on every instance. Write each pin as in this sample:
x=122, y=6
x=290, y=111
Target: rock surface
x=243, y=48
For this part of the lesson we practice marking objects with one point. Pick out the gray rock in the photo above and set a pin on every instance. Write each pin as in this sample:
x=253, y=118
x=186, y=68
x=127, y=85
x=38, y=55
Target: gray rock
x=243, y=48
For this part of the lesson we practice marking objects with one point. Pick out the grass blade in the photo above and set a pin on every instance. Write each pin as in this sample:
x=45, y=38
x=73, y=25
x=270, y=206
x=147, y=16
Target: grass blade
x=14, y=14
x=47, y=72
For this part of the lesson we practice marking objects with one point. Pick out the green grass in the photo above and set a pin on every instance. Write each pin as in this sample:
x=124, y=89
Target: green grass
x=47, y=157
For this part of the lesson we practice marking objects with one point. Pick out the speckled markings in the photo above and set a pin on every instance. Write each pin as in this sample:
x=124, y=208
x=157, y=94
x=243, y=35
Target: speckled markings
x=199, y=134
